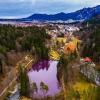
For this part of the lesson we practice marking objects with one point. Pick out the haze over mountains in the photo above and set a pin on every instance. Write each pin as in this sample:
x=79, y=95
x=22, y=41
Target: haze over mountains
x=83, y=14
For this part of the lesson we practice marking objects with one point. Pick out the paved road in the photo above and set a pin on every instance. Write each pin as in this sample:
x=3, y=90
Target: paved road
x=11, y=77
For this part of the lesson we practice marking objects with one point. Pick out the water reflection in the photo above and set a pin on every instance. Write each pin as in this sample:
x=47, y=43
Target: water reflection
x=46, y=72
x=41, y=65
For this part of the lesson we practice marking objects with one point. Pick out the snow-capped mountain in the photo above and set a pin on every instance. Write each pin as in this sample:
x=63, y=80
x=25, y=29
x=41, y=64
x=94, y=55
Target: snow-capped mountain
x=83, y=14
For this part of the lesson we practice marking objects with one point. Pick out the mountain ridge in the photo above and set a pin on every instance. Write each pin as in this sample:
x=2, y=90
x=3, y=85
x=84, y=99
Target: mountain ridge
x=82, y=14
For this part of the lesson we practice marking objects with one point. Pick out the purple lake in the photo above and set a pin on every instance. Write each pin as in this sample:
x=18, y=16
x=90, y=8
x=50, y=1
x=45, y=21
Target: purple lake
x=45, y=71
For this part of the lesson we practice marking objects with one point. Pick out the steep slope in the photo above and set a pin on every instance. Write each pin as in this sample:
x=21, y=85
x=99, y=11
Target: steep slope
x=92, y=41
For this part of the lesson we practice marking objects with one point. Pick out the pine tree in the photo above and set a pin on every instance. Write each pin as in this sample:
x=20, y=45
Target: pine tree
x=24, y=82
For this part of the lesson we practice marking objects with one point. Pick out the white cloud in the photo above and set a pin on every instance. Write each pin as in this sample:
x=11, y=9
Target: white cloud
x=17, y=1
x=83, y=2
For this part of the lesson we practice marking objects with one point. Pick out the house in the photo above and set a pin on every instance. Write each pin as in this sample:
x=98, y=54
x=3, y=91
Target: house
x=87, y=59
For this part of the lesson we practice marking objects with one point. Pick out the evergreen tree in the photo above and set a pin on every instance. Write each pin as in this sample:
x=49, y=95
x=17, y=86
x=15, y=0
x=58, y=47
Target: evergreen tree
x=24, y=81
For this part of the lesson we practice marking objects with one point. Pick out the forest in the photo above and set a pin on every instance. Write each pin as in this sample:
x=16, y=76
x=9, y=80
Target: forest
x=22, y=39
x=90, y=34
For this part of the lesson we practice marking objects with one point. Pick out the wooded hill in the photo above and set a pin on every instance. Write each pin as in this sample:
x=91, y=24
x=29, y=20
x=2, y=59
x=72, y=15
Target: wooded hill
x=91, y=38
x=15, y=40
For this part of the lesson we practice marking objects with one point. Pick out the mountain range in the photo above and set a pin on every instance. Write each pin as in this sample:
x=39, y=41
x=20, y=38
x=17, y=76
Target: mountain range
x=83, y=14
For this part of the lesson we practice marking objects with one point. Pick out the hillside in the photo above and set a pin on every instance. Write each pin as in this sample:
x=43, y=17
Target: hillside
x=17, y=41
x=91, y=37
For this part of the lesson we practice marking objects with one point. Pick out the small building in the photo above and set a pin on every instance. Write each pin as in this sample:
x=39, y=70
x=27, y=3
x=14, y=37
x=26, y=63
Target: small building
x=87, y=59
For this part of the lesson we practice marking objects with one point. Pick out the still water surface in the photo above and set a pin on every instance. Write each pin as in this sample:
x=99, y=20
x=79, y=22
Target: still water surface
x=45, y=71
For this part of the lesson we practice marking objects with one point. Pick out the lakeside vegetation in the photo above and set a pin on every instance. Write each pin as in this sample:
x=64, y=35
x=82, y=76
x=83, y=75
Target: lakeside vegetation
x=22, y=39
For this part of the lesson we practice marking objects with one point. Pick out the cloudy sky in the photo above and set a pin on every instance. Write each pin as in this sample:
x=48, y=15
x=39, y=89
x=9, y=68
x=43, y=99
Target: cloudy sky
x=23, y=8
